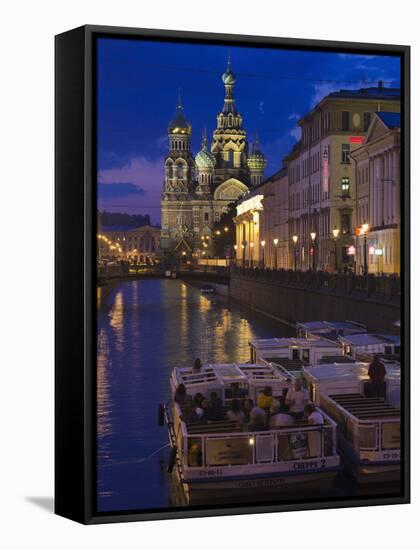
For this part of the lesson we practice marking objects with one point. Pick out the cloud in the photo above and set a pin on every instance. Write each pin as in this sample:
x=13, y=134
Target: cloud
x=261, y=106
x=112, y=190
x=294, y=116
x=296, y=132
x=321, y=90
x=140, y=190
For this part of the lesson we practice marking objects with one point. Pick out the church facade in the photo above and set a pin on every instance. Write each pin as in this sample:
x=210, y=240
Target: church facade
x=198, y=189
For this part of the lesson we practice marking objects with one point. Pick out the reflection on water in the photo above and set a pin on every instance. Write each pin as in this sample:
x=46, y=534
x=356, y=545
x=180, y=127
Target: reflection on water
x=145, y=328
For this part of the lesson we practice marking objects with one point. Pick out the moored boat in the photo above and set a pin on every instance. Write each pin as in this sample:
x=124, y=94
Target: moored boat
x=368, y=427
x=224, y=458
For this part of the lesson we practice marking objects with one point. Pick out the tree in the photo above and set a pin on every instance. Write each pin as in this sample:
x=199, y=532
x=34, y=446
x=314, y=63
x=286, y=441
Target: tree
x=224, y=234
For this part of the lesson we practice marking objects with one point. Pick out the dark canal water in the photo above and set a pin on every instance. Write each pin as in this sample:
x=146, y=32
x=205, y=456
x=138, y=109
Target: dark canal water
x=145, y=328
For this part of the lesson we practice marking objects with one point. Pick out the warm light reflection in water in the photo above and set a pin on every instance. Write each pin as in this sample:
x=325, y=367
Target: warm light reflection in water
x=145, y=328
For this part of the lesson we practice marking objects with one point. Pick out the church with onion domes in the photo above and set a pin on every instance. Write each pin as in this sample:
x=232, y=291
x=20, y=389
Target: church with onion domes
x=198, y=189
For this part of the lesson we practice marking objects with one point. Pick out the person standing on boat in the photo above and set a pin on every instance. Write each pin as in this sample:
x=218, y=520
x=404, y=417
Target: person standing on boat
x=197, y=365
x=296, y=399
x=377, y=373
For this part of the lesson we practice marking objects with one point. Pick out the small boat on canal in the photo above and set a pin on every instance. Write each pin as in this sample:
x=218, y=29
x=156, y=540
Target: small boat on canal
x=368, y=427
x=300, y=351
x=207, y=289
x=226, y=458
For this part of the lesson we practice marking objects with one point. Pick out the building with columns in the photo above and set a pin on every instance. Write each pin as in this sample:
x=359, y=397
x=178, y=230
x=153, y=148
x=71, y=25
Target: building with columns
x=378, y=187
x=133, y=244
x=322, y=176
x=262, y=230
x=198, y=190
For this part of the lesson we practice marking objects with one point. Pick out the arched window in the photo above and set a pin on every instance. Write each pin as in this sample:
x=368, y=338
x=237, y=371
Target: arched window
x=179, y=170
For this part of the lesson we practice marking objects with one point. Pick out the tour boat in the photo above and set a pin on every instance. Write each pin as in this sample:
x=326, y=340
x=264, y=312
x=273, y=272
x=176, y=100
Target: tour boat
x=368, y=428
x=300, y=351
x=224, y=459
x=355, y=345
x=329, y=329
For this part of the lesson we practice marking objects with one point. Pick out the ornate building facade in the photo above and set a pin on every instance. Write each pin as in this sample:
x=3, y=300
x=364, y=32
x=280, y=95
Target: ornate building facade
x=198, y=190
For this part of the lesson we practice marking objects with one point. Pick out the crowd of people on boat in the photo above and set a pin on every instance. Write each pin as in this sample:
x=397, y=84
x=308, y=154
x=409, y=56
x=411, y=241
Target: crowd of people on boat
x=268, y=412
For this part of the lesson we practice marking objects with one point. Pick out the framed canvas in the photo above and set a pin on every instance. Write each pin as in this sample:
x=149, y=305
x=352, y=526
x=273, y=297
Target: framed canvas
x=232, y=274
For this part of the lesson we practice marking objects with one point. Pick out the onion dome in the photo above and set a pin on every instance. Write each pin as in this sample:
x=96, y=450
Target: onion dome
x=179, y=124
x=256, y=160
x=205, y=159
x=228, y=76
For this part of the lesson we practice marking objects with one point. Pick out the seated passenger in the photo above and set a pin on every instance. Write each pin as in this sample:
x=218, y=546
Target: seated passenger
x=278, y=419
x=247, y=407
x=257, y=419
x=235, y=413
x=265, y=398
x=313, y=416
x=180, y=394
x=215, y=408
x=296, y=399
x=198, y=406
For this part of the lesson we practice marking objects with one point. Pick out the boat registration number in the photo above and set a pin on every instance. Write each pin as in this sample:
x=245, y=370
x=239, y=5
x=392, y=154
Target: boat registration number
x=310, y=465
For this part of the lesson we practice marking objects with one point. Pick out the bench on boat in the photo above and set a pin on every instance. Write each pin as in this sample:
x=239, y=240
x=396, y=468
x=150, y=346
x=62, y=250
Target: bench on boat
x=365, y=408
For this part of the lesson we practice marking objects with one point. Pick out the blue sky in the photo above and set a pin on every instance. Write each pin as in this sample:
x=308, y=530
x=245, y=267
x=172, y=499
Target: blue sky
x=138, y=84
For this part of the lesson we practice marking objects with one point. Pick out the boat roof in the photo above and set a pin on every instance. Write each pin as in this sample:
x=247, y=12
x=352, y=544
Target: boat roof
x=365, y=408
x=350, y=371
x=336, y=325
x=369, y=339
x=227, y=373
x=282, y=343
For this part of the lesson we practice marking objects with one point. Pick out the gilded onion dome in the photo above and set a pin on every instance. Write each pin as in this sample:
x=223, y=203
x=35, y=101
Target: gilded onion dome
x=228, y=77
x=179, y=124
x=204, y=159
x=256, y=160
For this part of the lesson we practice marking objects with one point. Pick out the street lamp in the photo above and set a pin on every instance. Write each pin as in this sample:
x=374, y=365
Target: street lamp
x=251, y=253
x=295, y=240
x=235, y=246
x=335, y=235
x=243, y=253
x=263, y=247
x=365, y=229
x=313, y=237
x=276, y=242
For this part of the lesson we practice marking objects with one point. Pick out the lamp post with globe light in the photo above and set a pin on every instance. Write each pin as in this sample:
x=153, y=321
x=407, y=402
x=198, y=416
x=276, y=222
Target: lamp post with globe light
x=335, y=236
x=295, y=240
x=313, y=237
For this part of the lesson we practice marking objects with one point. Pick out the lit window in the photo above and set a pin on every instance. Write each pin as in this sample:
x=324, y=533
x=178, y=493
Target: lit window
x=345, y=187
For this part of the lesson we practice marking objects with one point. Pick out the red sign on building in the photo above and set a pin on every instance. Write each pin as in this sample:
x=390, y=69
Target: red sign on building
x=357, y=139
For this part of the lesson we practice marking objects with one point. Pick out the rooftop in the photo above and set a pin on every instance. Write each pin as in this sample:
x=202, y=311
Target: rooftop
x=377, y=92
x=278, y=343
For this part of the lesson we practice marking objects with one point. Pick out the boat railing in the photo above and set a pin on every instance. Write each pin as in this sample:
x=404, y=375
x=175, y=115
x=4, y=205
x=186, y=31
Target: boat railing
x=268, y=447
x=378, y=434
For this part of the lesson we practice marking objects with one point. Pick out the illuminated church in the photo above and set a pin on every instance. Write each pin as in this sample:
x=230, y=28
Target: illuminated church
x=197, y=190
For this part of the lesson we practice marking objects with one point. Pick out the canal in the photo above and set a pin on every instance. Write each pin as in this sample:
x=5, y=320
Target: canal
x=145, y=328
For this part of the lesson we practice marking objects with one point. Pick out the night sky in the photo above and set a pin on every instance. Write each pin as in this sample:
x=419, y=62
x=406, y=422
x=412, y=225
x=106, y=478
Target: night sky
x=138, y=85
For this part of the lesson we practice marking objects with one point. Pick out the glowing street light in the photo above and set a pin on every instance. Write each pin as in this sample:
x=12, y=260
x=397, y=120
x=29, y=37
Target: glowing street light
x=295, y=240
x=364, y=231
x=275, y=242
x=263, y=249
x=335, y=235
x=313, y=237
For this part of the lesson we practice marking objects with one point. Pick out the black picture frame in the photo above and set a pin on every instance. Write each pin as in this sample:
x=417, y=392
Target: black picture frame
x=75, y=247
